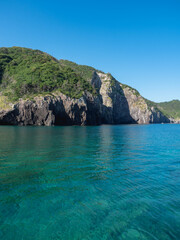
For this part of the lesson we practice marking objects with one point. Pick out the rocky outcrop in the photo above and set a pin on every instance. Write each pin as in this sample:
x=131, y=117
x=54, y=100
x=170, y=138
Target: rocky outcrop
x=176, y=121
x=113, y=104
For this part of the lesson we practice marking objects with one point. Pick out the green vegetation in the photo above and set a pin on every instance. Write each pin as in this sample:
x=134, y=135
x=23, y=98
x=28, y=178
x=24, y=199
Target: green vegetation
x=151, y=104
x=170, y=109
x=112, y=80
x=132, y=89
x=85, y=71
x=24, y=72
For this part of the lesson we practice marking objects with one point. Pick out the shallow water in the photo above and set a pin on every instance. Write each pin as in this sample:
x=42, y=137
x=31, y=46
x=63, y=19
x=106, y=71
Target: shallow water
x=90, y=183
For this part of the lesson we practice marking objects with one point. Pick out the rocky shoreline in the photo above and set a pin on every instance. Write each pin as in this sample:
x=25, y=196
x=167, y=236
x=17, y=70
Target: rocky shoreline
x=114, y=104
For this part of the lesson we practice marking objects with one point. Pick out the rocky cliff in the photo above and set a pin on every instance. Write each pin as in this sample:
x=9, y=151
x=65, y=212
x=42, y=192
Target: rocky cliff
x=113, y=103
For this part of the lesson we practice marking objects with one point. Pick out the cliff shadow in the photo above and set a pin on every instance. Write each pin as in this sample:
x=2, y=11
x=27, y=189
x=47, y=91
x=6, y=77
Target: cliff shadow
x=121, y=110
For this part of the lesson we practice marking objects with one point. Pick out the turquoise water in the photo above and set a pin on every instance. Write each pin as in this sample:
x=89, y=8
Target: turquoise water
x=90, y=183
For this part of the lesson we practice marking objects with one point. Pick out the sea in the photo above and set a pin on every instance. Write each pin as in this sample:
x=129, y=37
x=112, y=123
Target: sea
x=109, y=182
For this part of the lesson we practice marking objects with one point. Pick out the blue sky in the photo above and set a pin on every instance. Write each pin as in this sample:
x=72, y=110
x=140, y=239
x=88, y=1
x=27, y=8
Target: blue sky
x=138, y=42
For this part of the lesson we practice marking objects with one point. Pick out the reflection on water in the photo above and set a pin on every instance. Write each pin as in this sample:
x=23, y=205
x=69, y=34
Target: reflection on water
x=105, y=182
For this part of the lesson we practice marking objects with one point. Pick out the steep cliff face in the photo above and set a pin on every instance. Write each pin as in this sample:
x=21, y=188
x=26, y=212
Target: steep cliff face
x=50, y=110
x=140, y=110
x=123, y=104
x=171, y=109
x=114, y=103
x=37, y=89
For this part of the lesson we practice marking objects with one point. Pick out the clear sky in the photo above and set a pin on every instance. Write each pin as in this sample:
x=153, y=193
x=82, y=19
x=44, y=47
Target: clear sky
x=137, y=41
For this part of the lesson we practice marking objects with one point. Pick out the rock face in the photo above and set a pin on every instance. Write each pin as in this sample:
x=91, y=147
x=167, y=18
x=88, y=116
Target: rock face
x=176, y=121
x=113, y=104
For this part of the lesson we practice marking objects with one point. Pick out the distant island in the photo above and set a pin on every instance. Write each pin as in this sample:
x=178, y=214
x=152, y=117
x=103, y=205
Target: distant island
x=37, y=89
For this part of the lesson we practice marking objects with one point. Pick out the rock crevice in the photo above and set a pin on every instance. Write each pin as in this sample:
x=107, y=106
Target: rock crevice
x=113, y=104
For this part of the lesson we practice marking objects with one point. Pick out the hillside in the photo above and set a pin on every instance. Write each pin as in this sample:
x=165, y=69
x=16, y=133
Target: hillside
x=37, y=89
x=170, y=109
x=24, y=72
x=84, y=71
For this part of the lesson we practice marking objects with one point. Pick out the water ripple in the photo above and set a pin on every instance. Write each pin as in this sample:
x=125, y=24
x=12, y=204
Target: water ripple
x=91, y=183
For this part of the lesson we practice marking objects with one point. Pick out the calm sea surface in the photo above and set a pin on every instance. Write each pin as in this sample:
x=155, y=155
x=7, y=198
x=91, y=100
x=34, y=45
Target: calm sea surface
x=90, y=183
